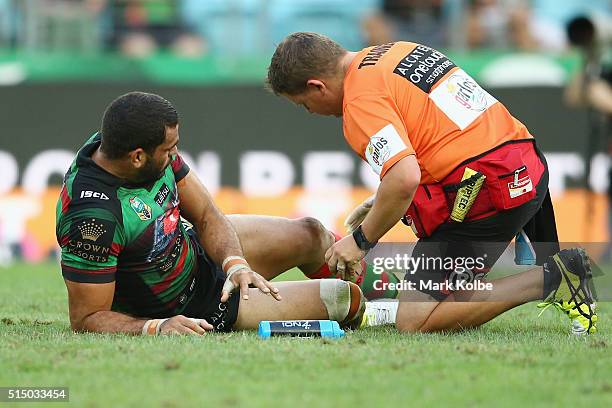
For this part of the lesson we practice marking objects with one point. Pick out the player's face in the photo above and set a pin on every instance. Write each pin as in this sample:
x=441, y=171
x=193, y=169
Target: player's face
x=156, y=163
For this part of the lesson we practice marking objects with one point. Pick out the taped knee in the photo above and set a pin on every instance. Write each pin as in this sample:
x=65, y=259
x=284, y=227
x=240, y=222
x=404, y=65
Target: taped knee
x=343, y=300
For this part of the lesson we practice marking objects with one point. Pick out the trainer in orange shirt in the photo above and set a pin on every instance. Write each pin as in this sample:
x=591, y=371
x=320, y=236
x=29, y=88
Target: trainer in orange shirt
x=437, y=140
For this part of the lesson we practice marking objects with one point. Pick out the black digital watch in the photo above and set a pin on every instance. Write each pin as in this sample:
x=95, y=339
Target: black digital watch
x=361, y=240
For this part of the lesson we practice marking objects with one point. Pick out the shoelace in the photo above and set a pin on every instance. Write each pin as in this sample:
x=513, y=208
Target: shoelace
x=574, y=312
x=546, y=305
x=577, y=297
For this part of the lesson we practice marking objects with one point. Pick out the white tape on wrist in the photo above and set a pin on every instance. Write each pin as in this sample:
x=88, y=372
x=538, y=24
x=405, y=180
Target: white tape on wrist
x=152, y=327
x=232, y=258
x=235, y=268
x=159, y=325
x=145, y=328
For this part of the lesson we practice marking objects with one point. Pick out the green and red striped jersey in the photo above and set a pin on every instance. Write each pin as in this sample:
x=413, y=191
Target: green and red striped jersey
x=111, y=231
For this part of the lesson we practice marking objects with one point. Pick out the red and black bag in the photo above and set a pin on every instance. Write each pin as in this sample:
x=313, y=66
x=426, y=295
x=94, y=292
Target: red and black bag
x=512, y=172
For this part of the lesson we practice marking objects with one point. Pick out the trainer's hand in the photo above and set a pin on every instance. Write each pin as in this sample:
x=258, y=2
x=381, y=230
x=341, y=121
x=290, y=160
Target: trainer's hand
x=343, y=257
x=185, y=325
x=242, y=279
x=356, y=217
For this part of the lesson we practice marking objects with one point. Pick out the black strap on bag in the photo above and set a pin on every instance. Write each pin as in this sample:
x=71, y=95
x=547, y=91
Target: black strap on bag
x=542, y=231
x=452, y=188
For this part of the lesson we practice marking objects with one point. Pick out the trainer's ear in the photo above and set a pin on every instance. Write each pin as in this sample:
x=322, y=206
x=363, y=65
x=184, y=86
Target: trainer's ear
x=138, y=157
x=316, y=84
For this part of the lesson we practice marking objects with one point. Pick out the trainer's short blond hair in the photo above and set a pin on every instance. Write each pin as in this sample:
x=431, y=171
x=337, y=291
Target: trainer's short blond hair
x=300, y=57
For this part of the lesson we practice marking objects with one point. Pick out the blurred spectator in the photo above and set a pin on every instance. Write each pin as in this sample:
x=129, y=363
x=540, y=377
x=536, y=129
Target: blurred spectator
x=140, y=27
x=550, y=18
x=592, y=87
x=6, y=26
x=499, y=24
x=420, y=21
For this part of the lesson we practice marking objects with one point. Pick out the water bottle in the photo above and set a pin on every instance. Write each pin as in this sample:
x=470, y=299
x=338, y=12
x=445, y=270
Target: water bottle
x=300, y=328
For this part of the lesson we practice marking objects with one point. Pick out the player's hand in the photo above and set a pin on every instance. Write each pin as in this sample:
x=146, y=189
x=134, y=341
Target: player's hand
x=343, y=257
x=185, y=326
x=242, y=279
x=356, y=217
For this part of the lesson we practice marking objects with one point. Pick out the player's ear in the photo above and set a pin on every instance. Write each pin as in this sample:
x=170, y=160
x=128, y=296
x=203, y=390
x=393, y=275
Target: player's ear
x=137, y=157
x=316, y=84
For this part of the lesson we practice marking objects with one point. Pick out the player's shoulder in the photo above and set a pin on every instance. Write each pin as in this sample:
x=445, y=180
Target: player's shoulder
x=87, y=187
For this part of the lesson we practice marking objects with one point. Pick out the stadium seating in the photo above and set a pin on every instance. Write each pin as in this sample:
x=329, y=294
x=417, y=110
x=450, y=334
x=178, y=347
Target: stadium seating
x=229, y=26
x=255, y=26
x=339, y=19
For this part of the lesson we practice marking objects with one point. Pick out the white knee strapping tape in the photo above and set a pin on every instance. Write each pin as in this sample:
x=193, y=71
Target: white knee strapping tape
x=336, y=296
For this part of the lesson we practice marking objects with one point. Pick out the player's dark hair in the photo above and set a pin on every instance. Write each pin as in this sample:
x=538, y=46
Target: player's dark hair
x=133, y=120
x=300, y=57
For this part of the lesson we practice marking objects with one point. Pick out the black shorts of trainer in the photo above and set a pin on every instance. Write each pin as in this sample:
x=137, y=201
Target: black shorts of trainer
x=480, y=242
x=206, y=301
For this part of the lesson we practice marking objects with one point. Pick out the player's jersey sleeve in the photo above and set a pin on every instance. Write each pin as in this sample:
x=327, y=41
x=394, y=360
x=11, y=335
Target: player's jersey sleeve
x=375, y=132
x=179, y=168
x=90, y=239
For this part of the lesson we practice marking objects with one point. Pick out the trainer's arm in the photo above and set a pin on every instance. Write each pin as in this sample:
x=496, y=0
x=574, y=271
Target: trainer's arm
x=393, y=198
x=89, y=307
x=216, y=233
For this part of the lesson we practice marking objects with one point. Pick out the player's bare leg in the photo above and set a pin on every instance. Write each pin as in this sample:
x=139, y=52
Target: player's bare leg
x=273, y=245
x=303, y=300
x=466, y=309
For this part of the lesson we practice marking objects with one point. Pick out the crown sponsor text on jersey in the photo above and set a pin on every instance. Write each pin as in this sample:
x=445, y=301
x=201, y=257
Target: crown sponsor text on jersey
x=91, y=239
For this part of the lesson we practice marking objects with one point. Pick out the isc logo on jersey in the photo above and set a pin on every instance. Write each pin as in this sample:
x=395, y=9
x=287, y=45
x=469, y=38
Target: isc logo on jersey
x=93, y=194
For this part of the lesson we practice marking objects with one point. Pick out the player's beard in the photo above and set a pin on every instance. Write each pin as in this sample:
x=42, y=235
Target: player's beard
x=151, y=171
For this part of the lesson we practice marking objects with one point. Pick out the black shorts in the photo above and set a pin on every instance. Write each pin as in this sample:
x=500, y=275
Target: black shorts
x=484, y=240
x=206, y=302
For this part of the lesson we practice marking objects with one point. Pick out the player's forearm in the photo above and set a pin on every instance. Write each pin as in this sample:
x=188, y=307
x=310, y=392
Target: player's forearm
x=109, y=322
x=392, y=200
x=219, y=237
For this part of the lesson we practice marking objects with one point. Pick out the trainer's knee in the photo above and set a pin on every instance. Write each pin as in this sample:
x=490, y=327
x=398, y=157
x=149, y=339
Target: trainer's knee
x=344, y=301
x=319, y=238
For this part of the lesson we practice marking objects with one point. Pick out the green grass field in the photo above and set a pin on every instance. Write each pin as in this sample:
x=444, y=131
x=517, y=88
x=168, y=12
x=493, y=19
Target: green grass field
x=516, y=359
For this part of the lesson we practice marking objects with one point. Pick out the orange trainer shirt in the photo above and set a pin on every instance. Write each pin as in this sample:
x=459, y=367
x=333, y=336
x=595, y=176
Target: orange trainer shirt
x=403, y=98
